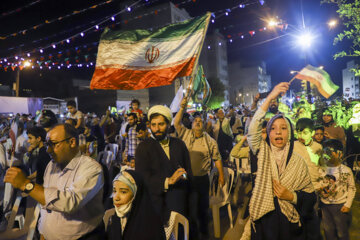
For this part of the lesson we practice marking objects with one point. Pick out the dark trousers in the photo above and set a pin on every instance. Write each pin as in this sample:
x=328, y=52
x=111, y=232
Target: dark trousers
x=335, y=223
x=199, y=207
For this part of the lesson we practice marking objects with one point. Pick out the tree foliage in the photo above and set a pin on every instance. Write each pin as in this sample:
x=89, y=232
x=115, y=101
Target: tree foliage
x=218, y=94
x=349, y=12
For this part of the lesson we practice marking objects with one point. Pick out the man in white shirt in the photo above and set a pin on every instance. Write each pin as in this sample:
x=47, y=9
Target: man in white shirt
x=71, y=196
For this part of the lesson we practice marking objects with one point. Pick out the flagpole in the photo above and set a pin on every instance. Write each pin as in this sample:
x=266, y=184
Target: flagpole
x=291, y=80
x=199, y=51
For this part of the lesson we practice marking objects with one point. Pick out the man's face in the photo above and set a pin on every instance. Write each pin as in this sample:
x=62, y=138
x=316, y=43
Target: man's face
x=159, y=127
x=319, y=135
x=274, y=106
x=59, y=148
x=220, y=114
x=279, y=133
x=327, y=118
x=135, y=106
x=71, y=109
x=131, y=120
x=305, y=136
x=198, y=124
x=33, y=141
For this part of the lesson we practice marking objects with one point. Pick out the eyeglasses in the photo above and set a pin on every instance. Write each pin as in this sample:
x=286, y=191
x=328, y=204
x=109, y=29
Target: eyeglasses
x=52, y=144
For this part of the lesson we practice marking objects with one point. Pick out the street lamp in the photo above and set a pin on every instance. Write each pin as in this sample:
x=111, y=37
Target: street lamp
x=305, y=40
x=332, y=23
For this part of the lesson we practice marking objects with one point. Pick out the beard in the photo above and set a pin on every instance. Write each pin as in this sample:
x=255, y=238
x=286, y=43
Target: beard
x=159, y=136
x=273, y=109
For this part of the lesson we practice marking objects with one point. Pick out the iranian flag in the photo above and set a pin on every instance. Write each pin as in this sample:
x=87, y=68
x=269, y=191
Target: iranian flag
x=319, y=78
x=138, y=59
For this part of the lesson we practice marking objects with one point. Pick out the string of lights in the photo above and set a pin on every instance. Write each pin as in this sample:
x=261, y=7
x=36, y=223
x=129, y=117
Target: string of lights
x=18, y=10
x=20, y=60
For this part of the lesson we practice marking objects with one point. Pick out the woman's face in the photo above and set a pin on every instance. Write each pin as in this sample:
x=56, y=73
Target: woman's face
x=121, y=194
x=279, y=133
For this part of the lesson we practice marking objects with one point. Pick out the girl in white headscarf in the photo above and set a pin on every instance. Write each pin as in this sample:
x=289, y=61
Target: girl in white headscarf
x=132, y=217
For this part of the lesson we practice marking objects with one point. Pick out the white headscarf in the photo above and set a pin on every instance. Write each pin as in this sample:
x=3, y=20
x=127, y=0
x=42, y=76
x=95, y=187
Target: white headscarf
x=126, y=178
x=165, y=111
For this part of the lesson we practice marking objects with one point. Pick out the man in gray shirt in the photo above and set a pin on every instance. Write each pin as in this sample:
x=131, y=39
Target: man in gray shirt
x=71, y=196
x=202, y=149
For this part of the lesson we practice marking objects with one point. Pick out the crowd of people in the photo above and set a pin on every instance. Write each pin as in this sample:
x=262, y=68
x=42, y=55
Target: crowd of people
x=158, y=166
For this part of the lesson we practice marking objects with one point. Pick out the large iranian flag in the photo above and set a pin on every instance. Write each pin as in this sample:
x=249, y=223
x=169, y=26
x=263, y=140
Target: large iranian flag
x=139, y=59
x=319, y=78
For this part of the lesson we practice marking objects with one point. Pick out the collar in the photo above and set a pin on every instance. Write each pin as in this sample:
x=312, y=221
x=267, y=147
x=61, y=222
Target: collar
x=71, y=165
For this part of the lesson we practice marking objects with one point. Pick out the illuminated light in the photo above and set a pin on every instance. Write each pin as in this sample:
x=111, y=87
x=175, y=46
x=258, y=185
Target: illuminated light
x=242, y=36
x=97, y=27
x=54, y=46
x=209, y=47
x=272, y=23
x=261, y=2
x=62, y=65
x=32, y=67
x=68, y=40
x=129, y=9
x=5, y=60
x=91, y=63
x=58, y=67
x=53, y=64
x=332, y=23
x=247, y=94
x=49, y=67
x=28, y=54
x=265, y=28
x=27, y=64
x=242, y=6
x=305, y=40
x=40, y=67
x=219, y=43
x=41, y=51
x=226, y=13
x=240, y=94
x=113, y=19
x=321, y=67
x=231, y=40
x=87, y=65
x=212, y=21
x=16, y=57
x=82, y=34
x=292, y=72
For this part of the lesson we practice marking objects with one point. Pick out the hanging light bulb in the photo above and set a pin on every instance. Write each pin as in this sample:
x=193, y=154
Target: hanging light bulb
x=113, y=19
x=54, y=46
x=28, y=54
x=41, y=51
x=97, y=27
x=82, y=34
x=68, y=40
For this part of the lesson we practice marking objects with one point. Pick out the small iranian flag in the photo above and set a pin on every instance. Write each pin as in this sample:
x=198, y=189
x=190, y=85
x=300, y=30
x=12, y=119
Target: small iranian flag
x=139, y=59
x=319, y=78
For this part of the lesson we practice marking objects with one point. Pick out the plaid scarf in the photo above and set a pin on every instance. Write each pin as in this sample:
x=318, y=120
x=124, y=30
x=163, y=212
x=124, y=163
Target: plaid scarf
x=295, y=177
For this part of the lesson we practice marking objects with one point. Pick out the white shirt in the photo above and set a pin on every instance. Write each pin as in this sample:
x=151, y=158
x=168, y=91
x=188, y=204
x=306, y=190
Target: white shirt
x=73, y=198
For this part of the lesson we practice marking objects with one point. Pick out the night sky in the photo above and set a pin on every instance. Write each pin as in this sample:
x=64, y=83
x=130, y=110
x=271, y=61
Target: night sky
x=276, y=48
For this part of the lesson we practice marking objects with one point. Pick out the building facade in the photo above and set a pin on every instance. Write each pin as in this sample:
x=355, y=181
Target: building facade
x=351, y=87
x=214, y=60
x=246, y=80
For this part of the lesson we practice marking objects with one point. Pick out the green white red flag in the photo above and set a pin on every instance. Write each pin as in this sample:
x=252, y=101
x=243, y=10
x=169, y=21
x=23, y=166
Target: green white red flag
x=139, y=59
x=319, y=78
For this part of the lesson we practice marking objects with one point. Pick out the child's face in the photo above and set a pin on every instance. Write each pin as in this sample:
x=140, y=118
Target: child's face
x=319, y=135
x=279, y=133
x=71, y=109
x=331, y=156
x=305, y=136
x=135, y=106
x=121, y=194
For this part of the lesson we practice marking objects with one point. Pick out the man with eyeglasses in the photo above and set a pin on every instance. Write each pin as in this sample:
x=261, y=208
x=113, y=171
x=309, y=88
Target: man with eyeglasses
x=72, y=193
